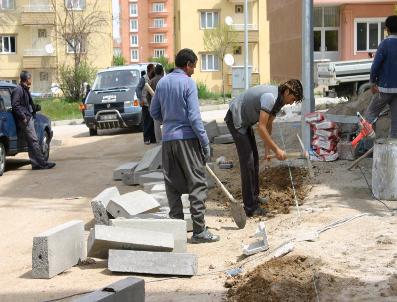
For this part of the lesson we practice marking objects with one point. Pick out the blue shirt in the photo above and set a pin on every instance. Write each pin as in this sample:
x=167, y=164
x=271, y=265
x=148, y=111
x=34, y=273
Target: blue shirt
x=176, y=105
x=384, y=67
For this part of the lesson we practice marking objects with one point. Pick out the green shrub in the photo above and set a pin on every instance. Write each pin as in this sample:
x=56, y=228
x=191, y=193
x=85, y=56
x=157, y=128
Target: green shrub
x=204, y=93
x=119, y=60
x=59, y=109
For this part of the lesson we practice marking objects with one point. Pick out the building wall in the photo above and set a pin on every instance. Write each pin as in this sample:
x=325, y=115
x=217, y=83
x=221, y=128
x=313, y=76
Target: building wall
x=189, y=35
x=30, y=51
x=146, y=29
x=349, y=13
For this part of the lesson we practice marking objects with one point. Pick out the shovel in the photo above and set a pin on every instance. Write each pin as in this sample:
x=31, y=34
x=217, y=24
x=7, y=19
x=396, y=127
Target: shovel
x=236, y=208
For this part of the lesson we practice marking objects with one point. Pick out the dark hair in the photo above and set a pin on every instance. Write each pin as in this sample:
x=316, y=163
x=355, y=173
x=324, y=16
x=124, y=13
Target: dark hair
x=184, y=56
x=158, y=70
x=391, y=24
x=143, y=73
x=25, y=75
x=150, y=67
x=295, y=88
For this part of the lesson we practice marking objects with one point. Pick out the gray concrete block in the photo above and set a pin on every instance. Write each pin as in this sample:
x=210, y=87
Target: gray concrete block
x=58, y=249
x=103, y=238
x=223, y=129
x=176, y=264
x=158, y=188
x=147, y=186
x=151, y=177
x=127, y=290
x=100, y=202
x=176, y=227
x=212, y=130
x=224, y=139
x=131, y=204
x=164, y=212
x=161, y=198
x=151, y=160
x=123, y=169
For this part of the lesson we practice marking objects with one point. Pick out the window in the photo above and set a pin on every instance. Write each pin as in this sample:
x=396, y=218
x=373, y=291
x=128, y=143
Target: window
x=134, y=25
x=209, y=62
x=7, y=4
x=75, y=4
x=42, y=33
x=369, y=33
x=159, y=38
x=6, y=96
x=133, y=9
x=158, y=23
x=158, y=7
x=237, y=50
x=326, y=29
x=239, y=9
x=134, y=55
x=134, y=40
x=7, y=44
x=76, y=45
x=159, y=53
x=209, y=19
x=44, y=76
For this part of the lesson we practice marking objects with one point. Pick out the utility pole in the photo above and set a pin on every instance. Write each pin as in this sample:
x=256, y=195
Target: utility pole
x=307, y=68
x=246, y=44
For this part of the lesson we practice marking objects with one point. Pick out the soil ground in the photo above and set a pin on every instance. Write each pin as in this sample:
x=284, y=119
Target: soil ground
x=354, y=262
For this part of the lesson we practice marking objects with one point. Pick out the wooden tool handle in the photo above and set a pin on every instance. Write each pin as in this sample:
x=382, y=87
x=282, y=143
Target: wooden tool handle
x=290, y=155
x=149, y=89
x=230, y=196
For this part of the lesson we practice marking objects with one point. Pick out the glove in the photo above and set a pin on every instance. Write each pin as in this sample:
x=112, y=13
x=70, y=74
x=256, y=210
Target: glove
x=207, y=153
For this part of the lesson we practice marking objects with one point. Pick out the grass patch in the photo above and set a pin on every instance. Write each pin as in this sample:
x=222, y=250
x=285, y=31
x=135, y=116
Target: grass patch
x=59, y=109
x=208, y=97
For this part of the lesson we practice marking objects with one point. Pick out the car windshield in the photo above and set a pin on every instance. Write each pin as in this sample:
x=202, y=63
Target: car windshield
x=116, y=79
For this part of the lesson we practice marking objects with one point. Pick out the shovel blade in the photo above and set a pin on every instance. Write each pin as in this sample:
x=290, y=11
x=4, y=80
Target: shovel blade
x=238, y=214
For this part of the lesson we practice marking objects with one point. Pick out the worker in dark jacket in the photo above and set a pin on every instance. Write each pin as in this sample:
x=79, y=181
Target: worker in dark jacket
x=158, y=74
x=25, y=112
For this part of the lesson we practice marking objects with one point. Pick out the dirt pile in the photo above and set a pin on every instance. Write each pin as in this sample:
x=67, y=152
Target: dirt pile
x=275, y=183
x=285, y=279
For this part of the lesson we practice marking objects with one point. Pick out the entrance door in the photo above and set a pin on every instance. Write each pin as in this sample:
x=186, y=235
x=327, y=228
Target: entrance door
x=326, y=33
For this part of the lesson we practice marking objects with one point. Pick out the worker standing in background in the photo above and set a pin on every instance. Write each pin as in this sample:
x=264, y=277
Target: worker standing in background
x=158, y=74
x=148, y=125
x=185, y=147
x=384, y=77
x=258, y=104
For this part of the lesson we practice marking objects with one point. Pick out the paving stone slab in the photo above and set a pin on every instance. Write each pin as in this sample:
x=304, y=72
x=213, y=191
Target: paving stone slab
x=161, y=198
x=99, y=204
x=127, y=290
x=131, y=204
x=223, y=129
x=103, y=238
x=212, y=130
x=164, y=211
x=158, y=188
x=123, y=169
x=151, y=177
x=156, y=263
x=58, y=249
x=224, y=139
x=151, y=160
x=176, y=227
x=147, y=187
x=132, y=179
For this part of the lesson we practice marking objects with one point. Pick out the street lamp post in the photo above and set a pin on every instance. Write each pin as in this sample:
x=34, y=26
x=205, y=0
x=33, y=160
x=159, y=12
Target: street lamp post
x=246, y=44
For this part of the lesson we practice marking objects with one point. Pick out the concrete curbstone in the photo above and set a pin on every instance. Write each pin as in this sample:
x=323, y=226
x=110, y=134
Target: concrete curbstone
x=100, y=202
x=224, y=139
x=151, y=177
x=151, y=160
x=123, y=169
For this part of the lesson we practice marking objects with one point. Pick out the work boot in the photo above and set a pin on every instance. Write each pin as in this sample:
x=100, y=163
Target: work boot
x=257, y=212
x=263, y=200
x=205, y=237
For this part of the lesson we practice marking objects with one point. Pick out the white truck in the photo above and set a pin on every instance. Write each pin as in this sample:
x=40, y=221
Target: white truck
x=345, y=78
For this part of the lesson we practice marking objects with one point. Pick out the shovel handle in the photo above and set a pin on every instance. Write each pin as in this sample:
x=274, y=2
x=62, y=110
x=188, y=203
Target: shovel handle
x=149, y=89
x=220, y=184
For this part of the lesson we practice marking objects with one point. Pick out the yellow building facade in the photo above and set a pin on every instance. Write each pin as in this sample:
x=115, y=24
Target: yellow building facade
x=193, y=17
x=30, y=39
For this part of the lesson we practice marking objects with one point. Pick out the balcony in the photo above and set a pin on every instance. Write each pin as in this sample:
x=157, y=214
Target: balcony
x=38, y=58
x=253, y=33
x=158, y=14
x=241, y=1
x=38, y=15
x=163, y=29
x=162, y=44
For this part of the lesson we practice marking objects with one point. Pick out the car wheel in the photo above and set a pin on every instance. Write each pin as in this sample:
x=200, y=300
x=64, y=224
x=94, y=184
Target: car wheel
x=45, y=146
x=2, y=158
x=93, y=131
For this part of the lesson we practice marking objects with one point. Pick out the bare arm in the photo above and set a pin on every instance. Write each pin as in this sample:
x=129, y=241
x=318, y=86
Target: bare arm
x=265, y=124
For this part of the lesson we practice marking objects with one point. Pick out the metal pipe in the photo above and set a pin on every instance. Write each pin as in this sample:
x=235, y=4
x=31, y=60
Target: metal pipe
x=307, y=68
x=246, y=82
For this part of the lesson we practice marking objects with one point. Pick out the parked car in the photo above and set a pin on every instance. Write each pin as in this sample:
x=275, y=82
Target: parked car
x=12, y=141
x=112, y=102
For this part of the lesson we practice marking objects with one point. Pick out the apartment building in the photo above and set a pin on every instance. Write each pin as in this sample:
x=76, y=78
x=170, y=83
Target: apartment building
x=146, y=29
x=194, y=17
x=30, y=39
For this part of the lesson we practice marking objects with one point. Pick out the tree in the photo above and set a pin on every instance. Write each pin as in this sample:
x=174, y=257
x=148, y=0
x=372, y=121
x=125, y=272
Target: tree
x=220, y=41
x=76, y=22
x=119, y=60
x=163, y=61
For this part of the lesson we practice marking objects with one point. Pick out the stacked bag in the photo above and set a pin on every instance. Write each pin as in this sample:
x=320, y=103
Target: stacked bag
x=325, y=137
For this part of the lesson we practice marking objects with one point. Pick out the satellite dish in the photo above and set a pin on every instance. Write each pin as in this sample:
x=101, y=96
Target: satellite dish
x=228, y=59
x=49, y=49
x=55, y=88
x=229, y=21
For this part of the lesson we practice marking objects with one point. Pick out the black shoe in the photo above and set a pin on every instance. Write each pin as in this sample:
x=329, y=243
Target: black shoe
x=258, y=212
x=49, y=165
x=205, y=237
